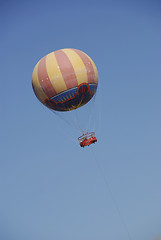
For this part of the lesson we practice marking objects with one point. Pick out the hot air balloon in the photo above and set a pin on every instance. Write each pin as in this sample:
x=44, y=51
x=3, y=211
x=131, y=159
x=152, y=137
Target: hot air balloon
x=65, y=79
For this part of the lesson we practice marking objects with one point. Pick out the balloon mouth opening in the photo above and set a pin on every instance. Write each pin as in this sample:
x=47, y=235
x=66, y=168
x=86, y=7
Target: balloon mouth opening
x=72, y=98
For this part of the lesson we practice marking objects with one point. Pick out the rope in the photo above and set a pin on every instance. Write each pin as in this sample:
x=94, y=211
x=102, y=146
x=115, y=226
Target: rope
x=91, y=109
x=94, y=119
x=108, y=187
x=62, y=127
x=77, y=121
x=60, y=115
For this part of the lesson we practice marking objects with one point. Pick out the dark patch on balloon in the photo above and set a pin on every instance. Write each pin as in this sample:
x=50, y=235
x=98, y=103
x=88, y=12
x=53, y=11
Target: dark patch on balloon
x=73, y=98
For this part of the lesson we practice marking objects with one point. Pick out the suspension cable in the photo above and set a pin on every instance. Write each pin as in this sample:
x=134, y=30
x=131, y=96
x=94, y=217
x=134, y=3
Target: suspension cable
x=64, y=119
x=93, y=100
x=77, y=121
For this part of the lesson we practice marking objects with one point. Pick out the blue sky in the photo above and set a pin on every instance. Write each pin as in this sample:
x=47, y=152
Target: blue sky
x=50, y=187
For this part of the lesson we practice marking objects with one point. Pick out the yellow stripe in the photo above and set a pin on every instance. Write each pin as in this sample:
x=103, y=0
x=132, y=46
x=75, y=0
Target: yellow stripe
x=54, y=73
x=35, y=80
x=95, y=69
x=78, y=65
x=95, y=72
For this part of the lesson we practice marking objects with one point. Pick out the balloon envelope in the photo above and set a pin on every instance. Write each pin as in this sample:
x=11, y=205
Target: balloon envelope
x=65, y=79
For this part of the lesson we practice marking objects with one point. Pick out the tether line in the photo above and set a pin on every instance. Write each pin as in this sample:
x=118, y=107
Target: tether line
x=112, y=196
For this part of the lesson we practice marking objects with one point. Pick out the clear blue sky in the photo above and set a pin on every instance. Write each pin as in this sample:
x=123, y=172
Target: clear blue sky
x=50, y=188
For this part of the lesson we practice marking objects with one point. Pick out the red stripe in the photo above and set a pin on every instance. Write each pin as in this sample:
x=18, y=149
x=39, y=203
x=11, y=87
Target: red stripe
x=66, y=69
x=44, y=79
x=88, y=65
